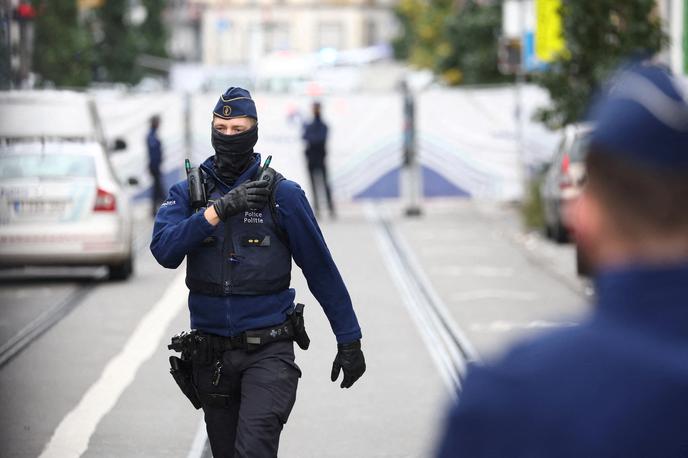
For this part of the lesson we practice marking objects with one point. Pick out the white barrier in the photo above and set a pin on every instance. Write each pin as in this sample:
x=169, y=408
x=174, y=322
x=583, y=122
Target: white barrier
x=466, y=135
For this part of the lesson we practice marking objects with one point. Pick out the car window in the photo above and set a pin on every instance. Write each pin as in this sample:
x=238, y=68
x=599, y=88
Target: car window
x=580, y=147
x=46, y=166
x=556, y=157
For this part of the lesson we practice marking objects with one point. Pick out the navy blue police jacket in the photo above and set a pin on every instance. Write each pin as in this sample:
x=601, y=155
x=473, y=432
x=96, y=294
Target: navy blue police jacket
x=315, y=135
x=178, y=230
x=154, y=151
x=615, y=386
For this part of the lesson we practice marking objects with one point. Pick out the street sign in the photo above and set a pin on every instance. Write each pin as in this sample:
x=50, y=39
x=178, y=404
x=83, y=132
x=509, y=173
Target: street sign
x=509, y=55
x=549, y=41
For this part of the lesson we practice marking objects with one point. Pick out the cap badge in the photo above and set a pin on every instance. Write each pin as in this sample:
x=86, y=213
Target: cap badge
x=226, y=110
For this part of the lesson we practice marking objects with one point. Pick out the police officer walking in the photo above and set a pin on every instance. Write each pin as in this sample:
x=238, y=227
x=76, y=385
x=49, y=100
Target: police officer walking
x=238, y=247
x=617, y=385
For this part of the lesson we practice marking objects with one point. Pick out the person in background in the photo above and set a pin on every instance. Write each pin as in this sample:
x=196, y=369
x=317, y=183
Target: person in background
x=154, y=162
x=315, y=135
x=616, y=385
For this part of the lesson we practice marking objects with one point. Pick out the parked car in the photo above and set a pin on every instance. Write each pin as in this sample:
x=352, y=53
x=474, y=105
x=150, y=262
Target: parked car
x=563, y=178
x=60, y=202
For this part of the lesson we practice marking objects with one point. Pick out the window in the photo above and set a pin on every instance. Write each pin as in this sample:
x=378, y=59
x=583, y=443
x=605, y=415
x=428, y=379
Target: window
x=330, y=35
x=276, y=36
x=370, y=38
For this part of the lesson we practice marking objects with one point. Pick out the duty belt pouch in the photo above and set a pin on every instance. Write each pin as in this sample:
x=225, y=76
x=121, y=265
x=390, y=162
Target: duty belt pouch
x=181, y=372
x=300, y=336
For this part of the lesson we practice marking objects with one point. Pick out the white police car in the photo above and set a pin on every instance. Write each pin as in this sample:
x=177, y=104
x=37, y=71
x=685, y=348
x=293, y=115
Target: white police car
x=60, y=202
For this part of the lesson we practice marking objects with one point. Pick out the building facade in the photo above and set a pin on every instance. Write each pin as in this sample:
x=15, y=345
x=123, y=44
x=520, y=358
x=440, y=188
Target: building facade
x=236, y=32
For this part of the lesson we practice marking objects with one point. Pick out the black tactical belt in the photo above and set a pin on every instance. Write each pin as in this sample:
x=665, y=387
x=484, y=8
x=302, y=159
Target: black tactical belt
x=198, y=347
x=252, y=339
x=223, y=343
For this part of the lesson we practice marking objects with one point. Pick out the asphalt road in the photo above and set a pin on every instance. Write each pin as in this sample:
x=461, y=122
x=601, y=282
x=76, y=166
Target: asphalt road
x=459, y=284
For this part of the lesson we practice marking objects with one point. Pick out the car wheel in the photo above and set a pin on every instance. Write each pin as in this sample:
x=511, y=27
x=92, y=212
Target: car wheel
x=121, y=271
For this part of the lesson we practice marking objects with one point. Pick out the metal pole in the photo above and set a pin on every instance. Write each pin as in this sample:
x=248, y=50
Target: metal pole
x=520, y=150
x=411, y=163
x=187, y=126
x=6, y=65
x=518, y=93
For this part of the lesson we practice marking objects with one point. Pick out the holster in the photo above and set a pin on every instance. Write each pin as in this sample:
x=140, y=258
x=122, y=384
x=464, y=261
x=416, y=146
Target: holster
x=300, y=335
x=181, y=372
x=193, y=346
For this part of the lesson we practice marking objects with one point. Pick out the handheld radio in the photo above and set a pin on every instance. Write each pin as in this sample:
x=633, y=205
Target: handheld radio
x=197, y=195
x=261, y=171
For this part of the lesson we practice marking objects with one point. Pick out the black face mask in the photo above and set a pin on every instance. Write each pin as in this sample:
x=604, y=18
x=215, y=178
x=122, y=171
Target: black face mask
x=233, y=153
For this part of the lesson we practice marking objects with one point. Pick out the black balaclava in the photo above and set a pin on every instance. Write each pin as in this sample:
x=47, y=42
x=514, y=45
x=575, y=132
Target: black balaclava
x=233, y=153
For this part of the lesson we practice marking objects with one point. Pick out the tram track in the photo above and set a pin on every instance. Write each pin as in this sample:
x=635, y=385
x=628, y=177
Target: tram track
x=449, y=348
x=42, y=323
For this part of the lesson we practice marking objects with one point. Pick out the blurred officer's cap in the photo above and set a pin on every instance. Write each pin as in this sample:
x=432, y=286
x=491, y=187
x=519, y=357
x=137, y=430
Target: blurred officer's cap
x=236, y=102
x=643, y=115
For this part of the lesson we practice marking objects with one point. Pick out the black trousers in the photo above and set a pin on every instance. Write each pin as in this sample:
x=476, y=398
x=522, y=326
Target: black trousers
x=318, y=175
x=257, y=391
x=158, y=193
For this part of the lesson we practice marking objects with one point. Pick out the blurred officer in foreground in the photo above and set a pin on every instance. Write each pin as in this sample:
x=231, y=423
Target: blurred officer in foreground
x=617, y=385
x=238, y=362
x=154, y=163
x=315, y=135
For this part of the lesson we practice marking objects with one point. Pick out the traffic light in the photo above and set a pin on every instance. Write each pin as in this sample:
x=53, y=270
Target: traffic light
x=24, y=12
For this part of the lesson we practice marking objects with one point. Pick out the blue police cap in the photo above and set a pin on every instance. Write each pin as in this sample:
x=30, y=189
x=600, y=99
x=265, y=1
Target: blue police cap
x=643, y=116
x=236, y=102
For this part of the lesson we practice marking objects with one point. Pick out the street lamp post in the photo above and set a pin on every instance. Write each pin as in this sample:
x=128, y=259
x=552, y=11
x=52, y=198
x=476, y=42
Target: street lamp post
x=518, y=89
x=512, y=61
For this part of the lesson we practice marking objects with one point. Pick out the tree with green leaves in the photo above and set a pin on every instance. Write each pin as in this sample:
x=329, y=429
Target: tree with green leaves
x=473, y=35
x=457, y=40
x=120, y=44
x=422, y=23
x=599, y=35
x=63, y=48
x=153, y=31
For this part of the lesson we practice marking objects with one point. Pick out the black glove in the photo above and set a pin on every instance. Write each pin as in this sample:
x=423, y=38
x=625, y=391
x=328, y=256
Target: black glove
x=350, y=359
x=252, y=194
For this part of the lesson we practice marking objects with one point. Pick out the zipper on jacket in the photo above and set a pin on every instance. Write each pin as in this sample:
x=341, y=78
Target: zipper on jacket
x=228, y=265
x=226, y=284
